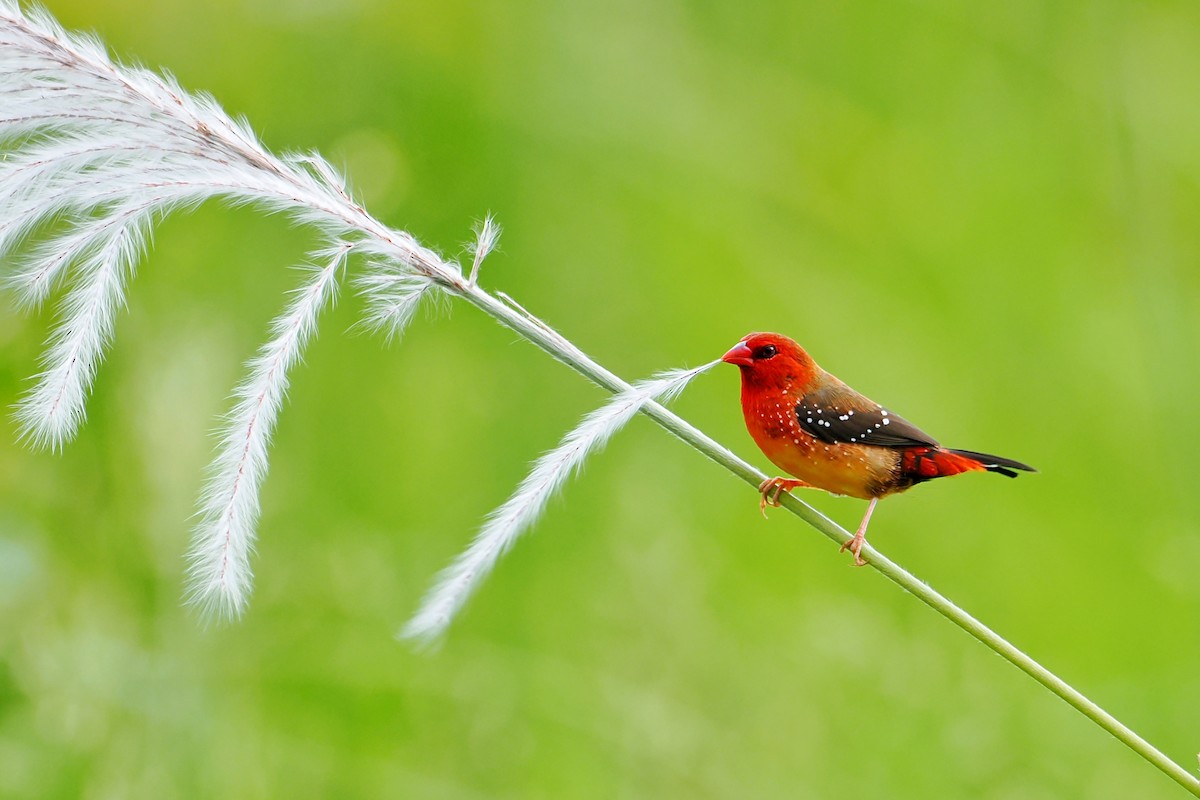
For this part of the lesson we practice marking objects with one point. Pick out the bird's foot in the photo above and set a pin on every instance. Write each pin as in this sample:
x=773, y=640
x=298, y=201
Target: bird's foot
x=855, y=546
x=771, y=488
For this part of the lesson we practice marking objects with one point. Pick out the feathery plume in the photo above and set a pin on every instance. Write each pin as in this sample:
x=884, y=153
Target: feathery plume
x=220, y=574
x=393, y=296
x=94, y=153
x=487, y=234
x=504, y=525
x=52, y=410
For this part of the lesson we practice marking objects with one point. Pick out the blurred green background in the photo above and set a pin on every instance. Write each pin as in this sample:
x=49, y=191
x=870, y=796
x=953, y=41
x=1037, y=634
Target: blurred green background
x=984, y=216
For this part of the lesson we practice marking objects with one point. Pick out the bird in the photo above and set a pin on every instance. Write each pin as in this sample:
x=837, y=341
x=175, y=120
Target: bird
x=828, y=436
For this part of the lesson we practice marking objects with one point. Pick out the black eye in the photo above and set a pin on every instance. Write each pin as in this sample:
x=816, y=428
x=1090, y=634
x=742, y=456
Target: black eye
x=766, y=351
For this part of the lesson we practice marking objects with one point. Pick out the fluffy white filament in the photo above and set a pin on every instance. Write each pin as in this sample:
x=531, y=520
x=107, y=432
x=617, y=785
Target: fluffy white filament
x=93, y=152
x=457, y=582
x=393, y=296
x=219, y=572
x=53, y=409
x=487, y=234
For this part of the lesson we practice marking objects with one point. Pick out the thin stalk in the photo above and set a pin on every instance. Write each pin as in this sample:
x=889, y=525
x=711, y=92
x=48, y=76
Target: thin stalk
x=560, y=348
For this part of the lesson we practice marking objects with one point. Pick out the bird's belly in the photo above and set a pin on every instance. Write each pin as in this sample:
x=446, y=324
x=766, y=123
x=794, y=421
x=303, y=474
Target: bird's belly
x=862, y=471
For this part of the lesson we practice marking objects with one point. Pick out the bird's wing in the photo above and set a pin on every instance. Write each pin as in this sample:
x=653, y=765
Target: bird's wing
x=836, y=414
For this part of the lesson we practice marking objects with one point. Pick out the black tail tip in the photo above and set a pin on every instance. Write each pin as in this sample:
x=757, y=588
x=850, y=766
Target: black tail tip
x=1004, y=466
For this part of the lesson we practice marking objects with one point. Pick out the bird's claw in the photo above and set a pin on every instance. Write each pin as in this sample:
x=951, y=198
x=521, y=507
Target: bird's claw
x=855, y=546
x=772, y=488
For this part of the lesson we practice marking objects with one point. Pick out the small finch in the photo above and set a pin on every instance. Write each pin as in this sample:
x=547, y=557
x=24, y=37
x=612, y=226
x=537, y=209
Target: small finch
x=818, y=429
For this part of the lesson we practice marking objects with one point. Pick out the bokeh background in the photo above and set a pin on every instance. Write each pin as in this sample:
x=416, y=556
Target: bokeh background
x=985, y=216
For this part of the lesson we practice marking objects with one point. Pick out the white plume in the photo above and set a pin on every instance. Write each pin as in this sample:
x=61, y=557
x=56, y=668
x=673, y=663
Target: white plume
x=487, y=235
x=393, y=296
x=93, y=154
x=53, y=409
x=504, y=525
x=219, y=572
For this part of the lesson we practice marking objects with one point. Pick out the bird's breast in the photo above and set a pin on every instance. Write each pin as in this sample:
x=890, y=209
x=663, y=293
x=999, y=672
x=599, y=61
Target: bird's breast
x=856, y=470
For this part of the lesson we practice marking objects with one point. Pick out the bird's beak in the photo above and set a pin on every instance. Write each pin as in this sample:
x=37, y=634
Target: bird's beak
x=739, y=354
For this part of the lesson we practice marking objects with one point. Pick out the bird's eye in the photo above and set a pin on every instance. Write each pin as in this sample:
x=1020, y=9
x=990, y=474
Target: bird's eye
x=766, y=351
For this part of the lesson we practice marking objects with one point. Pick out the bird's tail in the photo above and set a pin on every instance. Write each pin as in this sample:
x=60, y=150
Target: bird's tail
x=925, y=463
x=1005, y=466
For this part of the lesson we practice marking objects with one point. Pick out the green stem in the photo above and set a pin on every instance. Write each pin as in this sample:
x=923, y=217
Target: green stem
x=560, y=348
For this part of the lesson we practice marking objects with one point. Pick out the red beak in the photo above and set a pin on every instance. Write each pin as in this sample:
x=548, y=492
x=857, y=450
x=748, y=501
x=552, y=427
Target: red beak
x=739, y=354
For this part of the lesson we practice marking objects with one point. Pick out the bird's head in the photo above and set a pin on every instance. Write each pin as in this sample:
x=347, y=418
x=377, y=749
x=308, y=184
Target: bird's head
x=771, y=360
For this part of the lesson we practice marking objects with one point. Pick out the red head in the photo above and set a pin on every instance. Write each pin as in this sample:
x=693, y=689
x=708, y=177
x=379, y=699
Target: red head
x=771, y=361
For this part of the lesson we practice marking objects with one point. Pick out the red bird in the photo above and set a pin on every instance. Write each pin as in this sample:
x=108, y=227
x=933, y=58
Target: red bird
x=830, y=437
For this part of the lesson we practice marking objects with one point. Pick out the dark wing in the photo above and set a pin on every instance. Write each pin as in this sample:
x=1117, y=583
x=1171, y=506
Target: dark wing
x=836, y=414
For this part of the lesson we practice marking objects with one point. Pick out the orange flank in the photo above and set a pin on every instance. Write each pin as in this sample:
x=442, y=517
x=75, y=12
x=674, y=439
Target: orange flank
x=818, y=429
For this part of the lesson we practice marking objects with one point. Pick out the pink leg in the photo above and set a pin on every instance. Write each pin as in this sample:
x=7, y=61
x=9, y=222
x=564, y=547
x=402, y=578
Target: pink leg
x=855, y=545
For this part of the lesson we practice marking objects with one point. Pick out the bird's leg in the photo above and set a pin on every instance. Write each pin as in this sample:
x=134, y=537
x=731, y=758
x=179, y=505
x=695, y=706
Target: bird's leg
x=771, y=488
x=855, y=545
